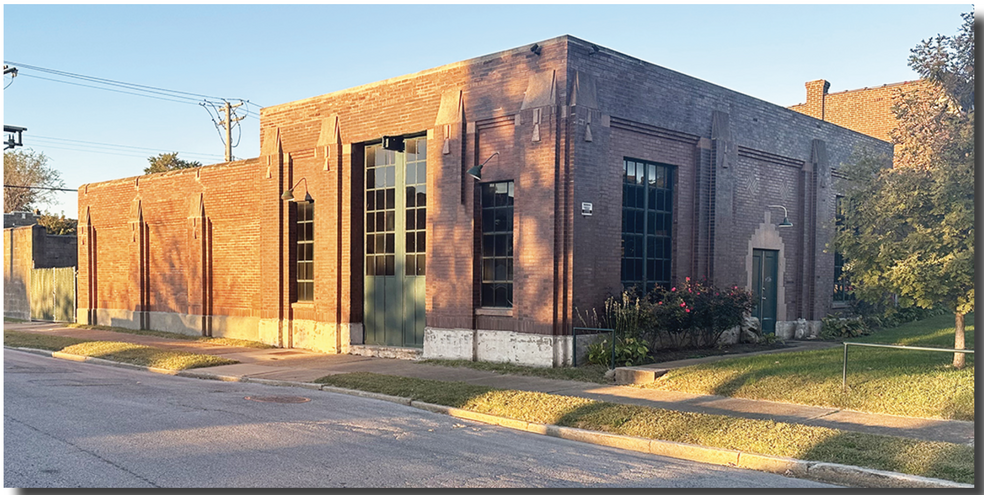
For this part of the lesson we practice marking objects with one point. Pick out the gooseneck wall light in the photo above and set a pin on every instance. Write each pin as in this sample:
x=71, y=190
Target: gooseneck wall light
x=476, y=171
x=288, y=195
x=785, y=217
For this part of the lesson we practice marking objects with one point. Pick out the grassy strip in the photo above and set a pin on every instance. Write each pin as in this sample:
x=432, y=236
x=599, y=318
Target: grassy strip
x=177, y=336
x=590, y=373
x=114, y=351
x=889, y=381
x=933, y=459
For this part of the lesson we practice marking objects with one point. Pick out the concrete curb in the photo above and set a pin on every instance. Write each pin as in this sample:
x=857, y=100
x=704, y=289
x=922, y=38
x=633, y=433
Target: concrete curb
x=853, y=476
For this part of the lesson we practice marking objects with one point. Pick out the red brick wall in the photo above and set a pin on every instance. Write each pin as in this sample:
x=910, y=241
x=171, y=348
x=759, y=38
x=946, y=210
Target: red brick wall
x=867, y=110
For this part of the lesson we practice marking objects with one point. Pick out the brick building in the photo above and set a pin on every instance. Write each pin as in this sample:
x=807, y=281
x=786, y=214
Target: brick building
x=600, y=170
x=866, y=110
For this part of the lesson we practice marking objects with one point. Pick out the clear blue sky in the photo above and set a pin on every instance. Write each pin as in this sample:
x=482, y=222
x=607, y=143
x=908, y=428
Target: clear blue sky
x=276, y=54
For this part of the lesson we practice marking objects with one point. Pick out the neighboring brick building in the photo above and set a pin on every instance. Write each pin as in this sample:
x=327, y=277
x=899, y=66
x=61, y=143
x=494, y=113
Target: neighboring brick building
x=866, y=110
x=601, y=169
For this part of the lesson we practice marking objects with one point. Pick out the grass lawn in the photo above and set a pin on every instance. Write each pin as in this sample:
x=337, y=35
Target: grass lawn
x=934, y=459
x=588, y=373
x=891, y=381
x=114, y=351
x=177, y=336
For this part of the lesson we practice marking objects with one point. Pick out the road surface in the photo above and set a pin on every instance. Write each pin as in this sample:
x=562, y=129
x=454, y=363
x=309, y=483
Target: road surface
x=69, y=424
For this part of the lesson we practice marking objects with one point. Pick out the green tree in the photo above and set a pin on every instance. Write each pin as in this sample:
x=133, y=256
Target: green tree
x=58, y=225
x=168, y=161
x=909, y=230
x=25, y=169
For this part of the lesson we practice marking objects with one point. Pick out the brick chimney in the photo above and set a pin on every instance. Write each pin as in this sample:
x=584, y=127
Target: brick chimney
x=816, y=94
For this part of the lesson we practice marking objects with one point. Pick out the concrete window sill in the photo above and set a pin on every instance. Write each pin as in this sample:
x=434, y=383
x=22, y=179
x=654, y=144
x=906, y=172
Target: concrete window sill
x=494, y=312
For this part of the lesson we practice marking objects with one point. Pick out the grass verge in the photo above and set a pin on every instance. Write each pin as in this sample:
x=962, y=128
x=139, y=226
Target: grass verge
x=889, y=381
x=122, y=352
x=933, y=459
x=177, y=336
x=589, y=373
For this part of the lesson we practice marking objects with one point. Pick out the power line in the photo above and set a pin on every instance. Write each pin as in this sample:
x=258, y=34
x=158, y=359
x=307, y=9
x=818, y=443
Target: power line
x=39, y=187
x=91, y=143
x=111, y=82
x=108, y=89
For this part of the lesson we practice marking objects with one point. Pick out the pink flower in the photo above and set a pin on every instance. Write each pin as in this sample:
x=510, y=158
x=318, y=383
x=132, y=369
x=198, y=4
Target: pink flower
x=683, y=304
x=688, y=279
x=661, y=302
x=688, y=310
x=673, y=289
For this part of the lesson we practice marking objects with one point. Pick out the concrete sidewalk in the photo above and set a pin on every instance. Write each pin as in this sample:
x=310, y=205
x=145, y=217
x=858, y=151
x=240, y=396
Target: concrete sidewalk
x=296, y=365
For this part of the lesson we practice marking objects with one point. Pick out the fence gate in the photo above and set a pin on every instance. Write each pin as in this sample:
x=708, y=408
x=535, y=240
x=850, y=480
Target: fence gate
x=53, y=294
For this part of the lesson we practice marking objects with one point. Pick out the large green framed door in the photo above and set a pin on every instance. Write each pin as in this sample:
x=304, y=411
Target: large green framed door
x=765, y=269
x=396, y=244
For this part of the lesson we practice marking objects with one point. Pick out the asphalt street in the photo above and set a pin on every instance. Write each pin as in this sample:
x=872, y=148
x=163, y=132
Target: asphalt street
x=69, y=424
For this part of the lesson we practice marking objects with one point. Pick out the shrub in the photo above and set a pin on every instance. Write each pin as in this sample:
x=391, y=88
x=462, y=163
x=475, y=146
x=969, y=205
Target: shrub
x=629, y=351
x=696, y=313
x=835, y=328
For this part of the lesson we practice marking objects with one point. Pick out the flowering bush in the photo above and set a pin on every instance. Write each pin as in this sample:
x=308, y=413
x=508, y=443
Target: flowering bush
x=696, y=313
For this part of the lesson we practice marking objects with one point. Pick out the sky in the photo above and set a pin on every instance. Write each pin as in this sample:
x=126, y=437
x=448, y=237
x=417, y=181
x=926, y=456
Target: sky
x=268, y=55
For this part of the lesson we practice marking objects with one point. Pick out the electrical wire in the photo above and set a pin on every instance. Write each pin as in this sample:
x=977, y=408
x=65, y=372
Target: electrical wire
x=91, y=143
x=111, y=82
x=107, y=89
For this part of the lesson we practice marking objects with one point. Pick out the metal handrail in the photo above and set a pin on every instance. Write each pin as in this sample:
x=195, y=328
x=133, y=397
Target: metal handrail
x=574, y=343
x=890, y=346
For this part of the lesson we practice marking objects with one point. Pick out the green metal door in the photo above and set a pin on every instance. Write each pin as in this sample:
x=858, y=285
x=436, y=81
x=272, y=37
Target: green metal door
x=53, y=294
x=396, y=220
x=765, y=268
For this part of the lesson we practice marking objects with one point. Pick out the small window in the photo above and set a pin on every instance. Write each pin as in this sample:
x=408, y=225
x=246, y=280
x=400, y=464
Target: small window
x=305, y=251
x=497, y=244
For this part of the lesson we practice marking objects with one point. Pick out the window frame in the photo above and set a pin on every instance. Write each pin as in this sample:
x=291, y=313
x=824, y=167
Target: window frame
x=656, y=202
x=304, y=251
x=500, y=241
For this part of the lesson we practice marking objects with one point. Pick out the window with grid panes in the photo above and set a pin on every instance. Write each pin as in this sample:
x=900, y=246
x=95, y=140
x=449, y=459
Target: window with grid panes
x=305, y=251
x=380, y=212
x=647, y=222
x=497, y=244
x=415, y=179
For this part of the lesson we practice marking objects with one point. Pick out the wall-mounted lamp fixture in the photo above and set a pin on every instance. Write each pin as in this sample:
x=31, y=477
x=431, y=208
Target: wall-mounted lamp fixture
x=288, y=195
x=785, y=217
x=536, y=48
x=476, y=171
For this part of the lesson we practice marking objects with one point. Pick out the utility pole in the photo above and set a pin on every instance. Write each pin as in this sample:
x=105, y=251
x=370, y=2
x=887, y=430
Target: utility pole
x=230, y=118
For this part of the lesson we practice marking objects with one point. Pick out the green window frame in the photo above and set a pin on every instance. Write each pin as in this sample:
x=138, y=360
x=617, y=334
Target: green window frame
x=304, y=229
x=497, y=244
x=647, y=224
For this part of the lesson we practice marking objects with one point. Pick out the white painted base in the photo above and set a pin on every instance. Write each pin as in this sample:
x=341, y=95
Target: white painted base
x=501, y=346
x=307, y=334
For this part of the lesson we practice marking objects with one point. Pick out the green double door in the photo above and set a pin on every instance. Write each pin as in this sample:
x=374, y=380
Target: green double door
x=396, y=244
x=765, y=272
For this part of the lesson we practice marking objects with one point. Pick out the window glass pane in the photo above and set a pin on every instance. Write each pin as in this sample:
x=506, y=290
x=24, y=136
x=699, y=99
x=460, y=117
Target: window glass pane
x=411, y=197
x=370, y=265
x=390, y=244
x=411, y=238
x=380, y=244
x=370, y=202
x=380, y=221
x=370, y=244
x=380, y=199
x=390, y=176
x=390, y=221
x=500, y=245
x=390, y=264
x=380, y=177
x=380, y=265
x=501, y=296
x=410, y=174
x=488, y=274
x=509, y=245
x=421, y=195
x=421, y=241
x=488, y=298
x=488, y=220
x=390, y=198
x=422, y=173
x=421, y=218
x=411, y=220
x=410, y=267
x=652, y=175
x=488, y=245
x=421, y=264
